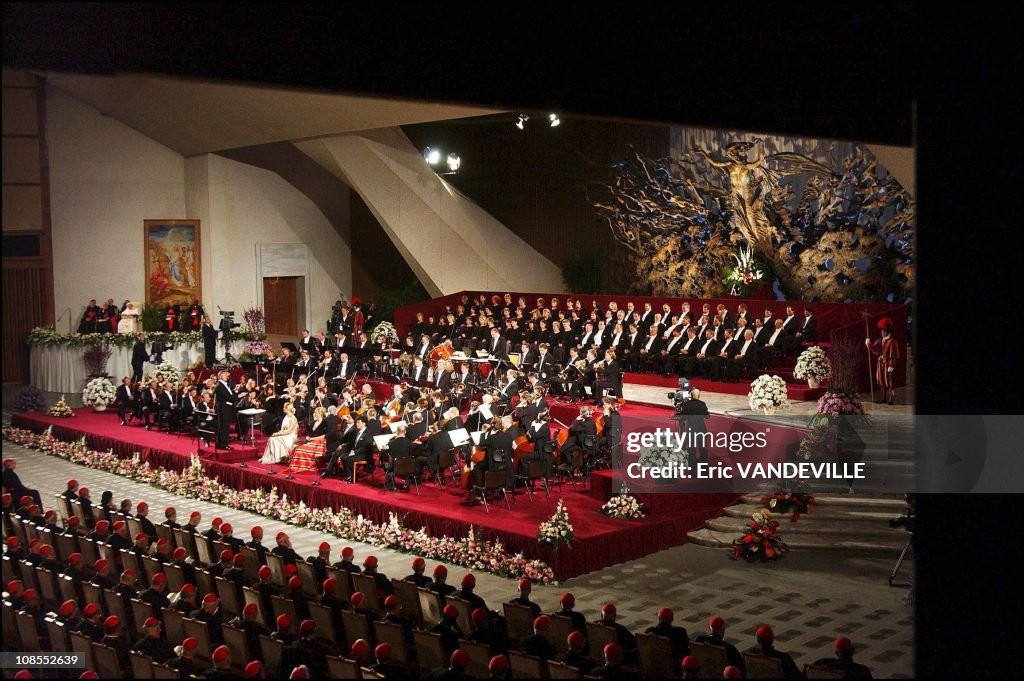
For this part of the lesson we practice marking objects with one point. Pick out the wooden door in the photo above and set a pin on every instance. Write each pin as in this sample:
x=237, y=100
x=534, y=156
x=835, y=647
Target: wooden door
x=279, y=296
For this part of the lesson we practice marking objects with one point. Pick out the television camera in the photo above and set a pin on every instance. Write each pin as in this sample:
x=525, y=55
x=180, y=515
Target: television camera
x=681, y=396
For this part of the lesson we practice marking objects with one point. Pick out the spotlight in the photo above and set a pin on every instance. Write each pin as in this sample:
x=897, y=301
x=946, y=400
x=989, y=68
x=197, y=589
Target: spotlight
x=521, y=121
x=554, y=120
x=454, y=162
x=432, y=156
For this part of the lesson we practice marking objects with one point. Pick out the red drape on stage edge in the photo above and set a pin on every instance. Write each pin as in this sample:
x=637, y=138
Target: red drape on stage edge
x=835, y=320
x=600, y=541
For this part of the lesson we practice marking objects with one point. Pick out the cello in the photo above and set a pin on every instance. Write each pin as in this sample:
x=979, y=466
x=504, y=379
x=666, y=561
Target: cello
x=561, y=437
x=478, y=456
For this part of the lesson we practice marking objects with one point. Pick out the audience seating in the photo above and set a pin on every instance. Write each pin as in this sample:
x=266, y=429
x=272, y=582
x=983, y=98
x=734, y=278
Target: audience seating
x=762, y=666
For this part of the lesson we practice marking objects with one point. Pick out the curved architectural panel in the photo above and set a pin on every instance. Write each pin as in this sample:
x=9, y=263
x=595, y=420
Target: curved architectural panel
x=450, y=242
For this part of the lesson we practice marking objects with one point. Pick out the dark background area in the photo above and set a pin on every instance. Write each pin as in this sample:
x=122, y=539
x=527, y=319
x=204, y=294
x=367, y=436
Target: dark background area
x=873, y=72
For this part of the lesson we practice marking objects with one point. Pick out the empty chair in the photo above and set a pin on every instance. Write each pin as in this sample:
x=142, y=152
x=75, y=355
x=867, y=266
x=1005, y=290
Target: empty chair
x=572, y=469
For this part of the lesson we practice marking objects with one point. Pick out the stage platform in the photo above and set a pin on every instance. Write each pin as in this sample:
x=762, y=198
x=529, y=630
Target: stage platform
x=795, y=390
x=600, y=541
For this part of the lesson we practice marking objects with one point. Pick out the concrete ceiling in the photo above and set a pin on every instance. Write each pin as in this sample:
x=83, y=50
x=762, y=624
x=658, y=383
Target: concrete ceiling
x=195, y=117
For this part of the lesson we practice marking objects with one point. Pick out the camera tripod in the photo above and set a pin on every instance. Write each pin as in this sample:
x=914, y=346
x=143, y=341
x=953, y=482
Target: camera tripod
x=899, y=561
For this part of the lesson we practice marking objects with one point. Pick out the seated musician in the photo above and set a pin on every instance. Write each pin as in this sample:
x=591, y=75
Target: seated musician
x=361, y=449
x=418, y=372
x=150, y=403
x=204, y=416
x=498, y=443
x=707, y=353
x=527, y=355
x=399, y=447
x=509, y=387
x=539, y=433
x=444, y=375
x=581, y=427
x=611, y=376
x=127, y=401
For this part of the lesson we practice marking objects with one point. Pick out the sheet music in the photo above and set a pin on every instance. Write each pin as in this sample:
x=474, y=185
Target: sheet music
x=394, y=425
x=485, y=411
x=382, y=441
x=459, y=437
x=476, y=434
x=252, y=412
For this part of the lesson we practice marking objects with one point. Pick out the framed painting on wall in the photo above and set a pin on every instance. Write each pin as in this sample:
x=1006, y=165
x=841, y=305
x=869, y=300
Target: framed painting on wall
x=173, y=271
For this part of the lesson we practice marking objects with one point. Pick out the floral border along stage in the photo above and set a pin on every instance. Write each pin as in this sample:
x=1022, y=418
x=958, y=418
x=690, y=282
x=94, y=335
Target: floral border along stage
x=47, y=335
x=472, y=552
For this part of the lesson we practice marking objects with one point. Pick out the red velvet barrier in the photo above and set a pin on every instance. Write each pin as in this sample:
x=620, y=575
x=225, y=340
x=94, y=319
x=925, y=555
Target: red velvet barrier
x=834, y=319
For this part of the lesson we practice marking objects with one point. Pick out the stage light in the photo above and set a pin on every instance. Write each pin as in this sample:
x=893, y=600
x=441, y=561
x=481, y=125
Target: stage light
x=521, y=121
x=554, y=120
x=432, y=156
x=454, y=162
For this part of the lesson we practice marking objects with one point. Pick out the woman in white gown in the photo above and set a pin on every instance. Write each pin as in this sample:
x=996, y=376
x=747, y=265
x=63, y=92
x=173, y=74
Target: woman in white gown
x=279, y=445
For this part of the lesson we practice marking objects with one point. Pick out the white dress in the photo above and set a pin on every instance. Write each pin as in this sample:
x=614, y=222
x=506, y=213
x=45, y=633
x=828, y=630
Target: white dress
x=280, y=447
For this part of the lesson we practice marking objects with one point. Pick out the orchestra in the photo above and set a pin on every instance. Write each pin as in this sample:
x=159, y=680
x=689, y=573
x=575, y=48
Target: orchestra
x=480, y=369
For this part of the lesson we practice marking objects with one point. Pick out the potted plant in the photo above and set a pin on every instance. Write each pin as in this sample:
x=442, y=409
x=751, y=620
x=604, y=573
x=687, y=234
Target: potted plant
x=30, y=398
x=813, y=365
x=95, y=358
x=99, y=393
x=768, y=393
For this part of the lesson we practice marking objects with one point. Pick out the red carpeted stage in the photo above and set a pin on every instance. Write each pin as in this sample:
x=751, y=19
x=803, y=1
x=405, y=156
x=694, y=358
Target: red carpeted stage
x=600, y=541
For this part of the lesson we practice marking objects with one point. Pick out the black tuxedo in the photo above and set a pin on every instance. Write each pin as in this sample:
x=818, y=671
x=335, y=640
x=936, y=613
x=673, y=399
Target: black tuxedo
x=361, y=450
x=499, y=446
x=126, y=400
x=496, y=347
x=225, y=408
x=545, y=364
x=762, y=335
x=209, y=344
x=809, y=328
x=612, y=380
x=791, y=324
x=139, y=357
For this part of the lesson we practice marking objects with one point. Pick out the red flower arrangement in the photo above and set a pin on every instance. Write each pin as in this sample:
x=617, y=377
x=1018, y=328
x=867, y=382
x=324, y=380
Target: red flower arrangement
x=794, y=503
x=760, y=540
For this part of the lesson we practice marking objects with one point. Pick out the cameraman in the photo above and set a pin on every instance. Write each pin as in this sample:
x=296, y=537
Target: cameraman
x=696, y=412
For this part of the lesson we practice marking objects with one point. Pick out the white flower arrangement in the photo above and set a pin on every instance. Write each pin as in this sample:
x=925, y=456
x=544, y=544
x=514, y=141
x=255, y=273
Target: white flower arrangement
x=557, y=530
x=768, y=392
x=624, y=506
x=813, y=364
x=171, y=373
x=99, y=392
x=385, y=331
x=659, y=457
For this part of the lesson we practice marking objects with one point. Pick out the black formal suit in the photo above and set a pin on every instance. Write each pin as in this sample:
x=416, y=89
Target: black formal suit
x=685, y=360
x=528, y=359
x=150, y=405
x=808, y=330
x=728, y=348
x=209, y=344
x=709, y=351
x=225, y=409
x=728, y=320
x=126, y=401
x=361, y=450
x=580, y=430
x=499, y=446
x=545, y=364
x=308, y=344
x=673, y=347
x=139, y=357
x=762, y=335
x=647, y=352
x=540, y=436
x=612, y=379
x=497, y=348
x=791, y=324
x=508, y=389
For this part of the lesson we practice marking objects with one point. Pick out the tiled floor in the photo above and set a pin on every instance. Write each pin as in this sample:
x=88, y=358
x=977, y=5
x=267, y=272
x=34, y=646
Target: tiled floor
x=809, y=598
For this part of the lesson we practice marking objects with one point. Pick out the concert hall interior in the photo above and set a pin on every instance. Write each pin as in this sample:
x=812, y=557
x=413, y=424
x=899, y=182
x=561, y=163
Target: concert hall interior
x=442, y=331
